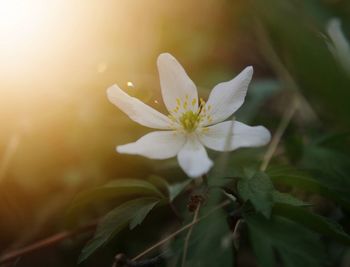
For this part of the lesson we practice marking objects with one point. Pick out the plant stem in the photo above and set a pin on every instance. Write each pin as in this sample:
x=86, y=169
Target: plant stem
x=188, y=236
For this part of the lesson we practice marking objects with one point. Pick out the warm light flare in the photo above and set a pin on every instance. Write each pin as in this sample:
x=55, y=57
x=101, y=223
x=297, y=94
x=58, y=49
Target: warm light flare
x=22, y=24
x=20, y=19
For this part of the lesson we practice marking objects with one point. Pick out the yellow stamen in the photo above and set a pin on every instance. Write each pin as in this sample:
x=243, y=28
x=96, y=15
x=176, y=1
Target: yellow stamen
x=189, y=121
x=188, y=118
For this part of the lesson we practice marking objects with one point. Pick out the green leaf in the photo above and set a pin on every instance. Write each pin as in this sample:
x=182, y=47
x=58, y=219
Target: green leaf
x=141, y=215
x=279, y=197
x=330, y=167
x=258, y=189
x=133, y=212
x=334, y=140
x=127, y=187
x=176, y=189
x=312, y=221
x=161, y=184
x=121, y=189
x=171, y=190
x=326, y=160
x=291, y=177
x=296, y=245
x=264, y=253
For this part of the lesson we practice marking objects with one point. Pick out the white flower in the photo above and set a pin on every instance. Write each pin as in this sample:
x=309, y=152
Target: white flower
x=191, y=124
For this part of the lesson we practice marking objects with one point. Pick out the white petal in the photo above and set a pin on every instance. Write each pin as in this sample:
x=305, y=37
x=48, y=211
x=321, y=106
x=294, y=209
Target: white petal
x=175, y=83
x=193, y=158
x=227, y=97
x=155, y=145
x=137, y=110
x=230, y=135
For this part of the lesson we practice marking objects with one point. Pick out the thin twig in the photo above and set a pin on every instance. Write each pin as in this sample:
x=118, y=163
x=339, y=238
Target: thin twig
x=187, y=226
x=44, y=243
x=278, y=134
x=188, y=236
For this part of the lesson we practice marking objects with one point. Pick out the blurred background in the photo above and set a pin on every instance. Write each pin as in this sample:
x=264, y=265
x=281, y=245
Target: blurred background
x=58, y=131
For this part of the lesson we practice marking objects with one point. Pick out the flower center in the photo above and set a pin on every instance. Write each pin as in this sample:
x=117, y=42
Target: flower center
x=189, y=120
x=188, y=115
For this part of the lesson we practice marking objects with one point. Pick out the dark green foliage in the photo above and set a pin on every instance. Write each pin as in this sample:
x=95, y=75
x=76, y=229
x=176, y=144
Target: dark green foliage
x=119, y=191
x=313, y=221
x=258, y=189
x=304, y=181
x=132, y=212
x=329, y=166
x=136, y=197
x=285, y=198
x=295, y=245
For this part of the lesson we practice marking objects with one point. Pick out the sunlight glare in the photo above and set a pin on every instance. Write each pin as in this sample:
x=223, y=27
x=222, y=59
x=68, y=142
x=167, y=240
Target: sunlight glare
x=23, y=27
